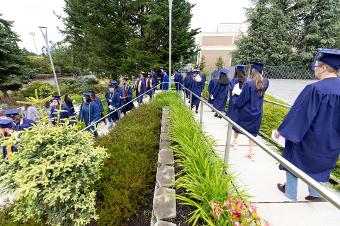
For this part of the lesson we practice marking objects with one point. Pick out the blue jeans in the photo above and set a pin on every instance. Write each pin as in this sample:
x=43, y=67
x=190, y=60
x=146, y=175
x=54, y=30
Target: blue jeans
x=291, y=187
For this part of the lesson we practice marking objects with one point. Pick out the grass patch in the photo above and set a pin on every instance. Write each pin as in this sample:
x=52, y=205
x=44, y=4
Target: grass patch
x=128, y=177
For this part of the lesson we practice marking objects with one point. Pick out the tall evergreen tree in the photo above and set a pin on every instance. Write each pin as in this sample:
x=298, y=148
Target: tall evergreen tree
x=124, y=36
x=268, y=37
x=13, y=71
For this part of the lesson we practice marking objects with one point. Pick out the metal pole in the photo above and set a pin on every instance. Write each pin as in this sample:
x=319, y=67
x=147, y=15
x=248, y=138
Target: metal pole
x=201, y=112
x=190, y=100
x=184, y=94
x=35, y=44
x=170, y=40
x=227, y=145
x=49, y=54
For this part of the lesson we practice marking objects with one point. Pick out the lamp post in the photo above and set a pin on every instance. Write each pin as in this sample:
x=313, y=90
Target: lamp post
x=170, y=40
x=35, y=45
x=44, y=33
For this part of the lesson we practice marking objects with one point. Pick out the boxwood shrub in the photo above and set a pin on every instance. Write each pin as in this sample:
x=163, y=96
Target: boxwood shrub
x=128, y=177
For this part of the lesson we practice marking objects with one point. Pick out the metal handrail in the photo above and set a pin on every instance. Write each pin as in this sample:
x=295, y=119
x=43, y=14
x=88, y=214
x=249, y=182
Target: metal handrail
x=118, y=109
x=278, y=104
x=328, y=195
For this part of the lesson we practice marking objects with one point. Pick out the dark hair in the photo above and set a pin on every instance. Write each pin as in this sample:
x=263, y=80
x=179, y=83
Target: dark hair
x=223, y=79
x=241, y=77
x=88, y=99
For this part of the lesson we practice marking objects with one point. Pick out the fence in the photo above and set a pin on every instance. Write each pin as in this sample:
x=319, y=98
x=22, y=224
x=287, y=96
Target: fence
x=288, y=72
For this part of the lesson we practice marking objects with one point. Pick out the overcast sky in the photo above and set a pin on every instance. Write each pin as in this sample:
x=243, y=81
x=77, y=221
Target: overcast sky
x=29, y=14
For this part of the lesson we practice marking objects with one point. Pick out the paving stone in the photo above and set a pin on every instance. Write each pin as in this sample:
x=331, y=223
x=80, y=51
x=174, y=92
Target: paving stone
x=166, y=157
x=164, y=223
x=164, y=204
x=164, y=144
x=164, y=137
x=164, y=129
x=165, y=176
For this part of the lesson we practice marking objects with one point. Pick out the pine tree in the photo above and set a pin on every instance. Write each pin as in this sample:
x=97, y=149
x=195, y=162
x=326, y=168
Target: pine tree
x=13, y=71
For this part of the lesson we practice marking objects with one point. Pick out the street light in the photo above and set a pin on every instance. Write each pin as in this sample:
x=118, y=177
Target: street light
x=170, y=40
x=44, y=33
x=35, y=45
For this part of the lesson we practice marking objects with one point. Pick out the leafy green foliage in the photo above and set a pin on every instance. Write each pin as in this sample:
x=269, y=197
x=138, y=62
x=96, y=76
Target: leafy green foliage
x=205, y=178
x=40, y=63
x=219, y=63
x=128, y=176
x=289, y=32
x=80, y=85
x=44, y=89
x=52, y=175
x=121, y=37
x=13, y=69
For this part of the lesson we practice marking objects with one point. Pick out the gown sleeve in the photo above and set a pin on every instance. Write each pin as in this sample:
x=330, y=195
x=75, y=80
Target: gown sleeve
x=244, y=96
x=300, y=117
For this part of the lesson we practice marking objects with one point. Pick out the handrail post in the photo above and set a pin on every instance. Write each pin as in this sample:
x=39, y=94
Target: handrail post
x=227, y=145
x=201, y=112
x=190, y=99
x=185, y=95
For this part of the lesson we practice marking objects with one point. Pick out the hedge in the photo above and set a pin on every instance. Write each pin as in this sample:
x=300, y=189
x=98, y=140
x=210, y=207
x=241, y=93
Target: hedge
x=128, y=176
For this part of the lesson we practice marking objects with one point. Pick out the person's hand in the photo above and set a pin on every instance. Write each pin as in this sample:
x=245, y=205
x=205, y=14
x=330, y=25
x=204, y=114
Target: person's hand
x=277, y=134
x=111, y=107
x=110, y=101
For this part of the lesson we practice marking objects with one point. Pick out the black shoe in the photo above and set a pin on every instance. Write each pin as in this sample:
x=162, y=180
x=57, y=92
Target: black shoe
x=315, y=199
x=282, y=188
x=219, y=116
x=215, y=115
x=196, y=112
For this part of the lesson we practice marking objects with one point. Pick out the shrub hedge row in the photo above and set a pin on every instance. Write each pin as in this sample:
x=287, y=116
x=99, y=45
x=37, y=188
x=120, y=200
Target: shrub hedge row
x=128, y=176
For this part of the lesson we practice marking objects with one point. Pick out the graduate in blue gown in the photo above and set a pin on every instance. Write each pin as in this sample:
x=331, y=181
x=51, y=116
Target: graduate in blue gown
x=6, y=129
x=98, y=101
x=19, y=123
x=140, y=88
x=149, y=84
x=196, y=87
x=126, y=96
x=250, y=103
x=165, y=85
x=89, y=113
x=187, y=81
x=56, y=105
x=179, y=79
x=238, y=79
x=312, y=126
x=113, y=98
x=212, y=85
x=220, y=93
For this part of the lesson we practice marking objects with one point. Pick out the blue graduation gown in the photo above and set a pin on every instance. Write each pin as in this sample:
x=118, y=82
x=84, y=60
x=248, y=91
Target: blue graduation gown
x=26, y=123
x=220, y=94
x=113, y=99
x=89, y=113
x=128, y=94
x=154, y=76
x=165, y=86
x=142, y=90
x=99, y=103
x=187, y=83
x=250, y=107
x=196, y=88
x=4, y=150
x=179, y=80
x=211, y=87
x=312, y=129
x=149, y=85
x=204, y=79
x=63, y=115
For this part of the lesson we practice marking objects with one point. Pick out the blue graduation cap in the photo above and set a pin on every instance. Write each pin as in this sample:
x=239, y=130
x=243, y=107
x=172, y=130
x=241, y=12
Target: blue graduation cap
x=113, y=83
x=196, y=71
x=56, y=98
x=215, y=74
x=240, y=67
x=12, y=112
x=87, y=94
x=224, y=70
x=258, y=66
x=330, y=57
x=6, y=123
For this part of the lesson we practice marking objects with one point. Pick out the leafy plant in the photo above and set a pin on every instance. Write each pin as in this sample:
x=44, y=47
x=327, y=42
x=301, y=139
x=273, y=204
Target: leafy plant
x=52, y=175
x=44, y=89
x=204, y=178
x=128, y=176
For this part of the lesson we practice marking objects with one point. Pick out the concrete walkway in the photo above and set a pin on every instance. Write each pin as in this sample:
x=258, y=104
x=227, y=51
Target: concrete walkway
x=260, y=176
x=287, y=89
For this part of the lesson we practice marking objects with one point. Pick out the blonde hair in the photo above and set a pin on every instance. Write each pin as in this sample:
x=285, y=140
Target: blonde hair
x=259, y=81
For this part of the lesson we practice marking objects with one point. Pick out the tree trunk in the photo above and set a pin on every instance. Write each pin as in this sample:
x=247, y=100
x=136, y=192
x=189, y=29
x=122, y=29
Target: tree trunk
x=6, y=97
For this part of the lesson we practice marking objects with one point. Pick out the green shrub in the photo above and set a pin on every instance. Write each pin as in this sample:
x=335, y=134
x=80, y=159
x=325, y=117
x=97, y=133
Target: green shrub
x=40, y=63
x=44, y=89
x=128, y=177
x=80, y=85
x=205, y=179
x=52, y=176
